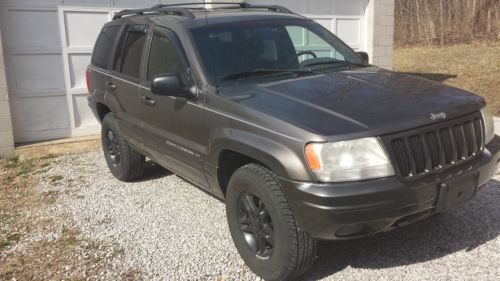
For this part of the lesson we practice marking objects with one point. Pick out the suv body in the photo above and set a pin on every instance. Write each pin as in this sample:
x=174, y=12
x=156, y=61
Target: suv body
x=207, y=128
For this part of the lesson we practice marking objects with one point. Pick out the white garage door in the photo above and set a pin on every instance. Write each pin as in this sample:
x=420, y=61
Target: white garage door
x=48, y=43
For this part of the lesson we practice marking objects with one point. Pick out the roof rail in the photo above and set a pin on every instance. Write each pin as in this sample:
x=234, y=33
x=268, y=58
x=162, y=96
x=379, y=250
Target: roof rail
x=171, y=9
x=154, y=10
x=272, y=8
x=231, y=5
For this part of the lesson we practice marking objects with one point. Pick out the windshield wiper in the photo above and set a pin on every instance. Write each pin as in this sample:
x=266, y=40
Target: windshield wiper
x=340, y=62
x=263, y=72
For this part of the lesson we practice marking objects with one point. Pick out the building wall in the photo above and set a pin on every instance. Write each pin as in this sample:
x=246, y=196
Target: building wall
x=6, y=135
x=380, y=32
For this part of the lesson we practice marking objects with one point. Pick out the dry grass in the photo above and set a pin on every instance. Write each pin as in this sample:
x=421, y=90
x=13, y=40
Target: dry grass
x=17, y=197
x=35, y=247
x=475, y=67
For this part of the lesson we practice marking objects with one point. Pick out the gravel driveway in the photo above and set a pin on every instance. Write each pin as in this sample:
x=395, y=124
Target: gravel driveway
x=170, y=230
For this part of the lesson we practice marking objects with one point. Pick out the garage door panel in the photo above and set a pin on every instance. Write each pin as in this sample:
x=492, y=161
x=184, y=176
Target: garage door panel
x=30, y=3
x=319, y=7
x=33, y=30
x=135, y=3
x=82, y=28
x=83, y=115
x=349, y=30
x=77, y=66
x=37, y=75
x=39, y=114
x=93, y=3
x=352, y=7
x=325, y=22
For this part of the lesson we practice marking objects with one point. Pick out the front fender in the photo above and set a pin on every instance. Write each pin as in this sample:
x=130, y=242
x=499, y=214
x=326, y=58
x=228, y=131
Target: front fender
x=283, y=156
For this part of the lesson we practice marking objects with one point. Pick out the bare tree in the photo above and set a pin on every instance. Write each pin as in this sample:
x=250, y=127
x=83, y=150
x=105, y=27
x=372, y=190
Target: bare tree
x=438, y=22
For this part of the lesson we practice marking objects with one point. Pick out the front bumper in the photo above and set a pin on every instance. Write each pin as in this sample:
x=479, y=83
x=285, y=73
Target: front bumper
x=353, y=209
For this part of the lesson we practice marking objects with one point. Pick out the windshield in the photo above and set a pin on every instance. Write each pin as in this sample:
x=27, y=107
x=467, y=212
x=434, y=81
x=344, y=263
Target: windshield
x=230, y=50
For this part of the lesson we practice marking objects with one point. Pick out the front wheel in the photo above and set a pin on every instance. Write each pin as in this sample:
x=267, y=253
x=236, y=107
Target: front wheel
x=263, y=227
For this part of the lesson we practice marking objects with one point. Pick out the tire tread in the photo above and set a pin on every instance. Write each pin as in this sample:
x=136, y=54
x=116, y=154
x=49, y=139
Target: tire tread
x=133, y=163
x=302, y=246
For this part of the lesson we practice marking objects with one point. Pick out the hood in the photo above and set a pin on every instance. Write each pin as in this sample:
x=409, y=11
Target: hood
x=355, y=103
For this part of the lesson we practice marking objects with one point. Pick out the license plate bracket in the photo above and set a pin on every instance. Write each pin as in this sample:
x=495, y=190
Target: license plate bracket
x=457, y=191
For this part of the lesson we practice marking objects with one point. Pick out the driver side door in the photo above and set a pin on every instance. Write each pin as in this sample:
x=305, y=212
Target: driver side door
x=175, y=134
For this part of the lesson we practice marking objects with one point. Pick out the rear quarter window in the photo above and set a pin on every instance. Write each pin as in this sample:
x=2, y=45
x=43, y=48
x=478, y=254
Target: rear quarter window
x=104, y=45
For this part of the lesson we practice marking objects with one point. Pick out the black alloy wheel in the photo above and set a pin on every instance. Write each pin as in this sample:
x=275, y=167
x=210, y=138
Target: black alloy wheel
x=256, y=225
x=113, y=147
x=124, y=162
x=263, y=226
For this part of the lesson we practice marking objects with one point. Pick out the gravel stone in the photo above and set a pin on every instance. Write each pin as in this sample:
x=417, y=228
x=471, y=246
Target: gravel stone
x=171, y=230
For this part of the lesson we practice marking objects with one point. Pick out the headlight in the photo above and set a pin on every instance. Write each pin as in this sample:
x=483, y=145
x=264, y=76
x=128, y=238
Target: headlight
x=489, y=129
x=348, y=160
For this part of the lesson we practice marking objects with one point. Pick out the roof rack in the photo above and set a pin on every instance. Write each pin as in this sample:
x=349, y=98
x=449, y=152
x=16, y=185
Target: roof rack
x=230, y=5
x=171, y=9
x=154, y=10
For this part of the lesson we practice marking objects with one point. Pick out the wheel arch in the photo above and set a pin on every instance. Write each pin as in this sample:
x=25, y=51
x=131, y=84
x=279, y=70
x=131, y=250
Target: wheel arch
x=102, y=110
x=238, y=148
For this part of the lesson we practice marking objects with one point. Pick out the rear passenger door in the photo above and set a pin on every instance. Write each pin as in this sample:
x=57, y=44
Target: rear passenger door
x=123, y=84
x=173, y=126
x=100, y=62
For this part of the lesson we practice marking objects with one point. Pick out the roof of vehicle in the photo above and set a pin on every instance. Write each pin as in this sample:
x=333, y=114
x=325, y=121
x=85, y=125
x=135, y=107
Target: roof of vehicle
x=199, y=16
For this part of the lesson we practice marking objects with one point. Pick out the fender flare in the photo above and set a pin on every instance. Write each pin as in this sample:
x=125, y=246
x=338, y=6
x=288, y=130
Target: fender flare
x=278, y=157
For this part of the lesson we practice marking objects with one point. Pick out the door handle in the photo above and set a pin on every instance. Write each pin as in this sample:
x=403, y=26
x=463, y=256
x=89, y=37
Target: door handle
x=148, y=101
x=110, y=85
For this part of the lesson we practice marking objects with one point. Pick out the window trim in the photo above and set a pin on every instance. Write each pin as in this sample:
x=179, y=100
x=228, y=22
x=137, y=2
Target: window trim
x=176, y=42
x=125, y=32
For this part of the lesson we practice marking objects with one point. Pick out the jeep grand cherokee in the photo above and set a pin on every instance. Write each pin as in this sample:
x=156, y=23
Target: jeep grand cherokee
x=297, y=134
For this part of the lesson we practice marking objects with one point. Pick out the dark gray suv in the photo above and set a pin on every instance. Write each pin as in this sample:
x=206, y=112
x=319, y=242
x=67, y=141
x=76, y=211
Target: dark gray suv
x=297, y=133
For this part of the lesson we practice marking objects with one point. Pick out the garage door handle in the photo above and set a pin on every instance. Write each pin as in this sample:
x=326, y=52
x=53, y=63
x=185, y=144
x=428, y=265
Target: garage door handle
x=148, y=101
x=110, y=85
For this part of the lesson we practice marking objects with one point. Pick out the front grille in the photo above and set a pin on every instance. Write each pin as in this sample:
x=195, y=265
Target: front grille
x=419, y=152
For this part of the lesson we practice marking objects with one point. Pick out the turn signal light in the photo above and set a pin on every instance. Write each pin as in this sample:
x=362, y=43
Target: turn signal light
x=312, y=158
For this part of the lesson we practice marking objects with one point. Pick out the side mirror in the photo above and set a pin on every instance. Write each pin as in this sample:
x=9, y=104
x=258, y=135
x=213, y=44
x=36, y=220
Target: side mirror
x=364, y=56
x=170, y=85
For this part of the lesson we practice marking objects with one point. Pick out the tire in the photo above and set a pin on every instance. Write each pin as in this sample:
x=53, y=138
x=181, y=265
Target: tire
x=125, y=163
x=292, y=251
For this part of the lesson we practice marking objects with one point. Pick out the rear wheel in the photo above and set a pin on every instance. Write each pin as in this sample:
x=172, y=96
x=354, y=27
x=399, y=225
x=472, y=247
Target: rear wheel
x=125, y=163
x=263, y=227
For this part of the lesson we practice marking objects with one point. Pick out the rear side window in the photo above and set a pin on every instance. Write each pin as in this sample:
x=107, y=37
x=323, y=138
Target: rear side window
x=132, y=51
x=103, y=46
